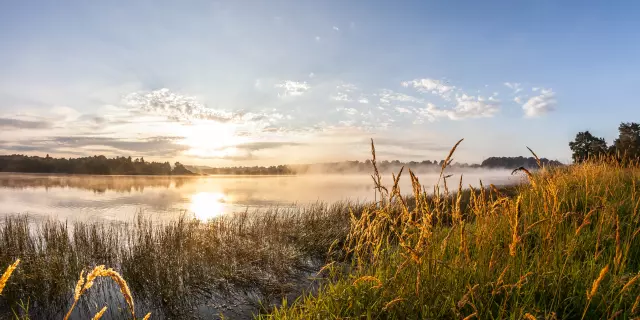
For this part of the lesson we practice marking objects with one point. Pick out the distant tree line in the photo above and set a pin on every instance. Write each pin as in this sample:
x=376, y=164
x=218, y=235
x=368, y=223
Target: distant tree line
x=255, y=170
x=386, y=166
x=624, y=148
x=99, y=165
x=516, y=162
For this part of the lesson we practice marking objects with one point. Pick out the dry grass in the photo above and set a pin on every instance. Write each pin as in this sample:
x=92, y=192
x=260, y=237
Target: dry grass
x=170, y=268
x=534, y=255
x=7, y=273
x=83, y=285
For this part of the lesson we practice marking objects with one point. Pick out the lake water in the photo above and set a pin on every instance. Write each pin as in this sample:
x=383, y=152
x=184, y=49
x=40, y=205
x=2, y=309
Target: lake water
x=95, y=198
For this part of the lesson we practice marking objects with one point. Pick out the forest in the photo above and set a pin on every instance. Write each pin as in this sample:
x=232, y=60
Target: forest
x=99, y=165
x=625, y=148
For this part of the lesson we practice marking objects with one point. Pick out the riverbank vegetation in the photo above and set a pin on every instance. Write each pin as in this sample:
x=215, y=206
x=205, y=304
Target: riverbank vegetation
x=566, y=247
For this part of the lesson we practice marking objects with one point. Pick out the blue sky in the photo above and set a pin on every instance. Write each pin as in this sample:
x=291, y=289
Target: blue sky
x=269, y=82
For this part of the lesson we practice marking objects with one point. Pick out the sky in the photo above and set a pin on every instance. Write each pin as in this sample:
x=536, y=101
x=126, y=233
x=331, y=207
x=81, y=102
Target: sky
x=227, y=83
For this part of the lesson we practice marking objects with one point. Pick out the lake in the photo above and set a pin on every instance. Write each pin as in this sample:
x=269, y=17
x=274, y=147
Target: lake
x=120, y=198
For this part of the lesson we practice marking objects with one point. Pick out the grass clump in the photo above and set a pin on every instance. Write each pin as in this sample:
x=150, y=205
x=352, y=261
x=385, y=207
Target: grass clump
x=229, y=265
x=564, y=246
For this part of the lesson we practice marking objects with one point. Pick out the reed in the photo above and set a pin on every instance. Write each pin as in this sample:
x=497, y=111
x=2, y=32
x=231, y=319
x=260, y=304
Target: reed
x=250, y=258
x=487, y=253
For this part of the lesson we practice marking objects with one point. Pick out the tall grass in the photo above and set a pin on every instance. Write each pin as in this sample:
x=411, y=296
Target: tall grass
x=565, y=246
x=225, y=266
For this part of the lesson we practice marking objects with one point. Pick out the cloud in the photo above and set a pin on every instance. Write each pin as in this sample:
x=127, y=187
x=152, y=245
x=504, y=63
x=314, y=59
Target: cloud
x=292, y=88
x=540, y=104
x=403, y=110
x=412, y=144
x=433, y=86
x=336, y=28
x=466, y=107
x=176, y=106
x=345, y=92
x=474, y=107
x=9, y=123
x=387, y=96
x=515, y=86
x=160, y=146
x=317, y=38
x=349, y=111
x=262, y=145
x=363, y=100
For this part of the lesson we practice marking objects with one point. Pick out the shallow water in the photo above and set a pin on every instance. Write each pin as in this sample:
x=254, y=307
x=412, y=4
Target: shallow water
x=119, y=198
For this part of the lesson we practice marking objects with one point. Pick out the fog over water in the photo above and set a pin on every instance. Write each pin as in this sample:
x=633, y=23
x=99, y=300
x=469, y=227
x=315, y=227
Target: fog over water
x=95, y=198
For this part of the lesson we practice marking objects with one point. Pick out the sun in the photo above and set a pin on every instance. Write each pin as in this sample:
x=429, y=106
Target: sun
x=210, y=136
x=208, y=205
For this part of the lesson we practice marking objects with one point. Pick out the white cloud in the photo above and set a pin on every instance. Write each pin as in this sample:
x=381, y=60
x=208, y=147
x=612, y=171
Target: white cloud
x=292, y=88
x=433, y=86
x=175, y=106
x=349, y=111
x=312, y=75
x=466, y=107
x=540, y=104
x=336, y=28
x=317, y=38
x=341, y=96
x=403, y=110
x=519, y=99
x=474, y=107
x=386, y=96
x=515, y=86
x=345, y=92
x=363, y=100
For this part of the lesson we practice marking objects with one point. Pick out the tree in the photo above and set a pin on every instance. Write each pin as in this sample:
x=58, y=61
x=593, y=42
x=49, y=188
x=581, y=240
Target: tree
x=587, y=146
x=628, y=142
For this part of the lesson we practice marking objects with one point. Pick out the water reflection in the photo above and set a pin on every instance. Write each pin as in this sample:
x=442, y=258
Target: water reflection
x=207, y=205
x=78, y=197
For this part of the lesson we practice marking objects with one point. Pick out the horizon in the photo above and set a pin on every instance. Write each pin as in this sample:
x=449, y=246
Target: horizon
x=380, y=161
x=223, y=83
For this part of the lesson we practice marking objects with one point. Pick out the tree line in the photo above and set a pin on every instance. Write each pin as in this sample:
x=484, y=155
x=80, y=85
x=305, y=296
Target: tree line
x=385, y=166
x=624, y=148
x=99, y=165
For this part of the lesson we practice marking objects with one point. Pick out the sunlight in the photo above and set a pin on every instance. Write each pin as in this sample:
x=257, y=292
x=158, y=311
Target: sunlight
x=207, y=205
x=210, y=136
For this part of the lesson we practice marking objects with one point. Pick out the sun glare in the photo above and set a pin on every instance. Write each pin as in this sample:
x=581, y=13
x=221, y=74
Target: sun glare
x=207, y=205
x=209, y=136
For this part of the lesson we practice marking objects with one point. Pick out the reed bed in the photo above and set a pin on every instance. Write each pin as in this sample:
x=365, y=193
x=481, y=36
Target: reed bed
x=564, y=246
x=236, y=265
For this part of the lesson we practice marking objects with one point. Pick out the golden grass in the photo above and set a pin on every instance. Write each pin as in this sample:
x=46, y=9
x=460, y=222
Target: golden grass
x=7, y=273
x=100, y=313
x=494, y=255
x=596, y=283
x=85, y=284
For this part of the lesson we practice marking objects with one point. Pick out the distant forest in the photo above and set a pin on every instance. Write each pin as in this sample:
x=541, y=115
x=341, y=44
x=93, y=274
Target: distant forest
x=99, y=165
x=383, y=166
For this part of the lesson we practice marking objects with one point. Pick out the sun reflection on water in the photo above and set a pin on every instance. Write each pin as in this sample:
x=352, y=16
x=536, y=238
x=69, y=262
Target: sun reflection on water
x=207, y=205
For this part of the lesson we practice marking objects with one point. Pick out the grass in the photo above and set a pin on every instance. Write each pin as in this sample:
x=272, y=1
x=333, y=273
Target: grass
x=170, y=268
x=565, y=247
